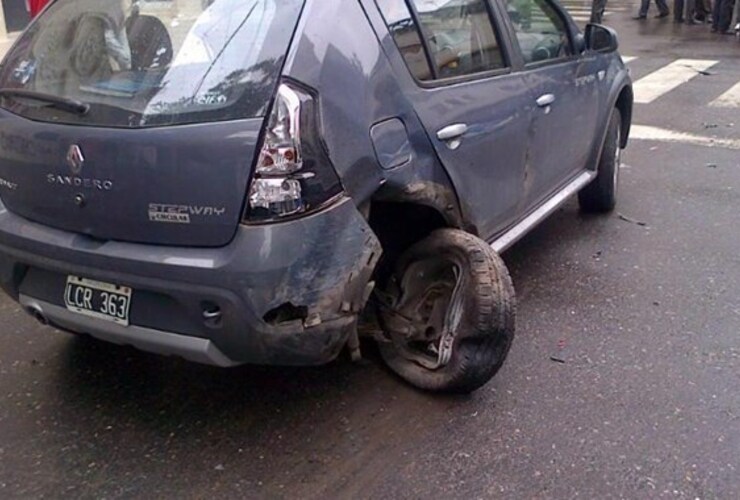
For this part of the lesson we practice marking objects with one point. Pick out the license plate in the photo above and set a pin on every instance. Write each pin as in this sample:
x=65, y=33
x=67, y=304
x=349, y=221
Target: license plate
x=97, y=299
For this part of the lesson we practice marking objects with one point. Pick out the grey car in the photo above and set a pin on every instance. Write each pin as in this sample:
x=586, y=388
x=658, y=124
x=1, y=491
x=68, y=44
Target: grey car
x=270, y=181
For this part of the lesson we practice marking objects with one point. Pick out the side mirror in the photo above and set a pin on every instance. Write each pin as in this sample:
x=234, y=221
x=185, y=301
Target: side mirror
x=580, y=43
x=600, y=38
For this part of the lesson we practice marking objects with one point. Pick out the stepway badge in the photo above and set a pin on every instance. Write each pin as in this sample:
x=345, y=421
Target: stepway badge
x=174, y=214
x=181, y=214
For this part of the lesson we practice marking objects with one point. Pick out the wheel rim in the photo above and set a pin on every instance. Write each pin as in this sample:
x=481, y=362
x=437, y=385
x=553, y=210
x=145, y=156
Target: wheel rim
x=430, y=310
x=617, y=160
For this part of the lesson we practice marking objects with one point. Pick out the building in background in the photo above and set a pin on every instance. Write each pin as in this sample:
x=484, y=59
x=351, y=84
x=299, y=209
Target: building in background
x=13, y=16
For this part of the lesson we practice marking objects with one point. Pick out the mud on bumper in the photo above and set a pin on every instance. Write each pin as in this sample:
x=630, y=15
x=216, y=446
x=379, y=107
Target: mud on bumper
x=286, y=294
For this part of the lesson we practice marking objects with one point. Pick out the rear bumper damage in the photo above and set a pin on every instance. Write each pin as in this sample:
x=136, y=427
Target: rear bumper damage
x=284, y=294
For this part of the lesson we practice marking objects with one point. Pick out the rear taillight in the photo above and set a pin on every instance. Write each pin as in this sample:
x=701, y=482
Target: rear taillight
x=293, y=175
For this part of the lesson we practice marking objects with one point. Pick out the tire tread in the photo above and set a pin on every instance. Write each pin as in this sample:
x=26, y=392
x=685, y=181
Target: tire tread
x=599, y=196
x=481, y=350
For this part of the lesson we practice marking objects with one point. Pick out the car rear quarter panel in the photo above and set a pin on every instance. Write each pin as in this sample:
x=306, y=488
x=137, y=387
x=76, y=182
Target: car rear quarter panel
x=338, y=54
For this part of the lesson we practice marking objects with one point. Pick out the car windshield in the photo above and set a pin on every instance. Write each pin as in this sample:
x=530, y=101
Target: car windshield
x=140, y=63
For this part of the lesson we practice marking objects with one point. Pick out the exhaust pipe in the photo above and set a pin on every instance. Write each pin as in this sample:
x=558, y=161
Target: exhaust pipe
x=37, y=313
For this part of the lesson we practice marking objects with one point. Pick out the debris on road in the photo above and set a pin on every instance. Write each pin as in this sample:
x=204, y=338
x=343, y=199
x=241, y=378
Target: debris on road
x=700, y=71
x=559, y=357
x=631, y=220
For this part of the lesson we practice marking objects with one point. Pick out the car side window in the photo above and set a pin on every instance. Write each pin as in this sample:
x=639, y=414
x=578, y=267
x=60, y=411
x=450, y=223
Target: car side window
x=459, y=38
x=541, y=32
x=405, y=32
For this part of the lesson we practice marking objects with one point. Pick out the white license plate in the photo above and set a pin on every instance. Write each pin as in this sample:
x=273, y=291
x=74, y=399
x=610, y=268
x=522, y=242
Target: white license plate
x=98, y=299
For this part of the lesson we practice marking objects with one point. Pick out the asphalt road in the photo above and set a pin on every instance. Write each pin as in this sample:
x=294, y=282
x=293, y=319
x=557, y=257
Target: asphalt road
x=644, y=308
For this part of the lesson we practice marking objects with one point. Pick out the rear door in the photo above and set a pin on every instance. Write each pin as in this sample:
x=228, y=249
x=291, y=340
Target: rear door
x=476, y=111
x=163, y=185
x=564, y=87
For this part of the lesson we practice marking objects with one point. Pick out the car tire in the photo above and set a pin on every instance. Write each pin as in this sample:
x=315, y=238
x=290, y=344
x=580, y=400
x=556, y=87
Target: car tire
x=600, y=196
x=479, y=315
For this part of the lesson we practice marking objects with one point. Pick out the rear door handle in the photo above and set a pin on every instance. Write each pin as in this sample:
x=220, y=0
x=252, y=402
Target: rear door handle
x=545, y=100
x=452, y=134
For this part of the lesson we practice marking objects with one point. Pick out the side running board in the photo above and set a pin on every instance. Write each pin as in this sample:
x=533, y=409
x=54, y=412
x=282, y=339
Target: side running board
x=518, y=231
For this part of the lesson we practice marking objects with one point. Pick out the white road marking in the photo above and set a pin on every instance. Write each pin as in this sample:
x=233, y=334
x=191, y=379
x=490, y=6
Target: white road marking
x=730, y=99
x=570, y=5
x=627, y=59
x=667, y=78
x=648, y=133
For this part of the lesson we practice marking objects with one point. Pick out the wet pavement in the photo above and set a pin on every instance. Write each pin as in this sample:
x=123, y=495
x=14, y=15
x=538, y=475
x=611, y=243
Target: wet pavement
x=643, y=307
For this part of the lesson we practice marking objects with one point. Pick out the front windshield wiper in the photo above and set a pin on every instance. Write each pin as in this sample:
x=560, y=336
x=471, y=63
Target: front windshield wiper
x=63, y=103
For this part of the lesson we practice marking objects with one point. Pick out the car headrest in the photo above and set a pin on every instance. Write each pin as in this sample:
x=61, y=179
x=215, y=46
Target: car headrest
x=150, y=42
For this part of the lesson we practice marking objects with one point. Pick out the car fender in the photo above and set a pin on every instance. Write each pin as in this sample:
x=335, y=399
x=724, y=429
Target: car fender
x=374, y=138
x=439, y=196
x=619, y=82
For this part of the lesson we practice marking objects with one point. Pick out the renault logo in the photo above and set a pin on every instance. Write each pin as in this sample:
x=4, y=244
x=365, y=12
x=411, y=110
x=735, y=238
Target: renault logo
x=75, y=159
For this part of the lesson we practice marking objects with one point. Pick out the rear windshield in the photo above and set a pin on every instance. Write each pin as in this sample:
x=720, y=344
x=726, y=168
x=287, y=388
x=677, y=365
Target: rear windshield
x=140, y=63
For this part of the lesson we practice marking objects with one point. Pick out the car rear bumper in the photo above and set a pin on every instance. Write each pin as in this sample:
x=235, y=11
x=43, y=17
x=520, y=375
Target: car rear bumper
x=287, y=293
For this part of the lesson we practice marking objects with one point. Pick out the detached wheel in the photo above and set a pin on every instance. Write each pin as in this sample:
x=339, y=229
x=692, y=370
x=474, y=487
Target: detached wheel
x=600, y=196
x=449, y=313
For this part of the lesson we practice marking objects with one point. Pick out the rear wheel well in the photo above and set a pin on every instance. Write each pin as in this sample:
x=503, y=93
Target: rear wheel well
x=398, y=225
x=624, y=105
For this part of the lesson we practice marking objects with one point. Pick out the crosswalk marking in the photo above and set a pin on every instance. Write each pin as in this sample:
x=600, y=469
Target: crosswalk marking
x=584, y=17
x=667, y=78
x=730, y=99
x=586, y=6
x=627, y=59
x=648, y=133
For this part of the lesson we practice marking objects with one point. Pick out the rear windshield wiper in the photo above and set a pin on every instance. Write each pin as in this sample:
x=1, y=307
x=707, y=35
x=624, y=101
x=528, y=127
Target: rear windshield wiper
x=63, y=103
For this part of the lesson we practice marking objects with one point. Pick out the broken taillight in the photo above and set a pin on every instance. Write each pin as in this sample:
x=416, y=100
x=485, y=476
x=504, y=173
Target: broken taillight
x=293, y=174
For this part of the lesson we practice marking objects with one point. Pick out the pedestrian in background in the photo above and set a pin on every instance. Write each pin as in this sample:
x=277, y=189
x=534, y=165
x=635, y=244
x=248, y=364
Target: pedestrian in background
x=663, y=10
x=597, y=11
x=678, y=11
x=703, y=10
x=722, y=16
x=35, y=6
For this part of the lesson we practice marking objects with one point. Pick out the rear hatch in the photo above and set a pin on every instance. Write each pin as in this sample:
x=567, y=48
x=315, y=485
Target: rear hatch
x=140, y=121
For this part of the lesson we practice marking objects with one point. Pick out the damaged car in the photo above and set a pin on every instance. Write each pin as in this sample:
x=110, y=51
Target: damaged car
x=249, y=182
